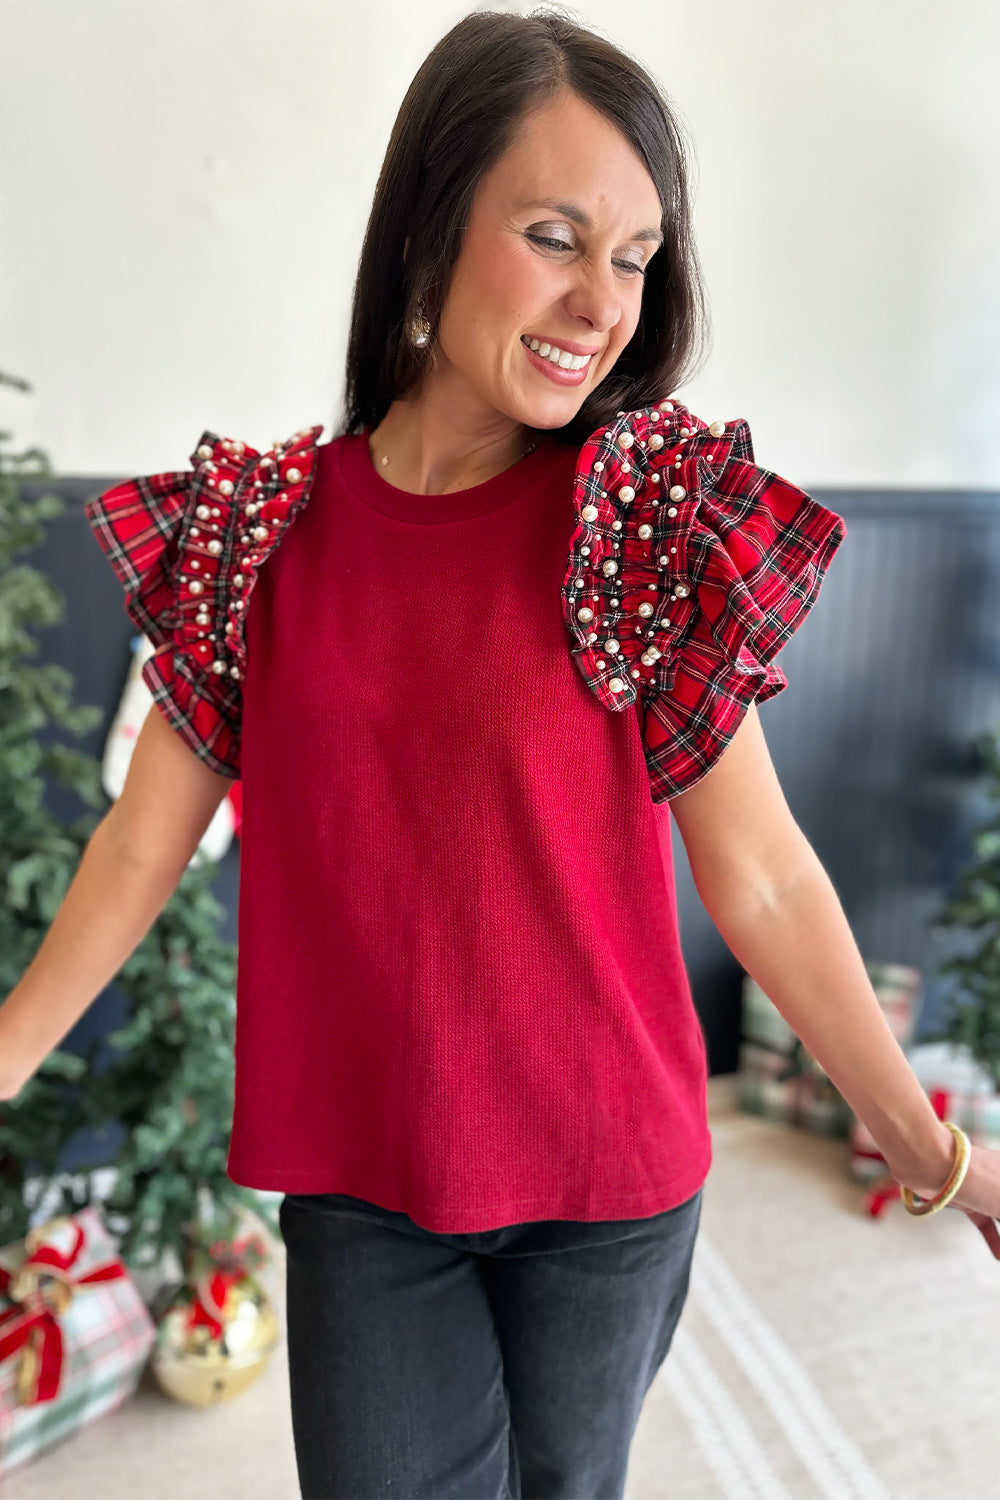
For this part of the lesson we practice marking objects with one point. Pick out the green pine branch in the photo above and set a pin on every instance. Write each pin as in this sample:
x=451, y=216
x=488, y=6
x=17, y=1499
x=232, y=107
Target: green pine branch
x=168, y=1076
x=972, y=1014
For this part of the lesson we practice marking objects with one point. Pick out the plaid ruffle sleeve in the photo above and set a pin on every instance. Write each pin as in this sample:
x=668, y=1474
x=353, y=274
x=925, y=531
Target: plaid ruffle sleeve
x=187, y=547
x=690, y=567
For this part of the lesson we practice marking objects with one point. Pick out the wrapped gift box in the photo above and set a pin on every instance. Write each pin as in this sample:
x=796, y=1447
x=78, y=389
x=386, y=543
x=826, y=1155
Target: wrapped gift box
x=778, y=1077
x=75, y=1334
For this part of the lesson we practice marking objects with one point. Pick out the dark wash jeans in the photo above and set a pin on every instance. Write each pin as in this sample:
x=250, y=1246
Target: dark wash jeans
x=510, y=1364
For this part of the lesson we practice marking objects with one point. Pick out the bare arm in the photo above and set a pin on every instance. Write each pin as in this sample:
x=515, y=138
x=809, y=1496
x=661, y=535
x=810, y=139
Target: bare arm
x=129, y=869
x=778, y=912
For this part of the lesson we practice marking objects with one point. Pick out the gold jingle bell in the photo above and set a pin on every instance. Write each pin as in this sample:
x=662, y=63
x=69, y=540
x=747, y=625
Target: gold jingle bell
x=200, y=1370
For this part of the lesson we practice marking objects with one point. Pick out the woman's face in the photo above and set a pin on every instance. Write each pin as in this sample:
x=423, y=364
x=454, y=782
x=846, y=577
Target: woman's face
x=566, y=271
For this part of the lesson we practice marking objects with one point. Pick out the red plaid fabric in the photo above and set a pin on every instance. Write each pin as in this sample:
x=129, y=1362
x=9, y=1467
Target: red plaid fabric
x=689, y=569
x=187, y=548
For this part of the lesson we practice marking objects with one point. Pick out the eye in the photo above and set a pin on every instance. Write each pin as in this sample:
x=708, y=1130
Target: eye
x=541, y=239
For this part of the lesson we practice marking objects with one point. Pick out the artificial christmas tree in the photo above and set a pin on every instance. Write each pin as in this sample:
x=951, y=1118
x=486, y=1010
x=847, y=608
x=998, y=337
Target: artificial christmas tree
x=971, y=1024
x=169, y=1080
x=962, y=1077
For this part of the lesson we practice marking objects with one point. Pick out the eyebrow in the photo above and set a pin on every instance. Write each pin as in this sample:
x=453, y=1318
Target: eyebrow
x=572, y=211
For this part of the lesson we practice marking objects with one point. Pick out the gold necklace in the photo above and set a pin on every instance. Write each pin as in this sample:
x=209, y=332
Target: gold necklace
x=530, y=449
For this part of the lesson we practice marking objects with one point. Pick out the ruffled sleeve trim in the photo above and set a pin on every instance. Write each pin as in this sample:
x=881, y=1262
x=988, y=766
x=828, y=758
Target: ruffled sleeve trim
x=690, y=567
x=187, y=547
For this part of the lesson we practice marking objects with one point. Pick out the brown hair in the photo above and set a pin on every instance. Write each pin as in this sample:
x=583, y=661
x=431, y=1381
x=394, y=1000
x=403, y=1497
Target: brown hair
x=459, y=116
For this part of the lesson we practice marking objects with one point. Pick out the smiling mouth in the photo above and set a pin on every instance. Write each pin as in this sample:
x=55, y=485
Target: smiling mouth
x=561, y=358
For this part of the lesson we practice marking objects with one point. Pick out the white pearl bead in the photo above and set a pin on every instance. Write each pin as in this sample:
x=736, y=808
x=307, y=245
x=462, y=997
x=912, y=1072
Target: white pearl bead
x=625, y=440
x=645, y=610
x=626, y=492
x=677, y=492
x=598, y=467
x=196, y=586
x=234, y=671
x=238, y=580
x=293, y=475
x=585, y=614
x=686, y=432
x=645, y=531
x=609, y=568
x=218, y=666
x=202, y=512
x=666, y=406
x=647, y=659
x=204, y=450
x=671, y=510
x=215, y=546
x=260, y=532
x=225, y=486
x=589, y=513
x=616, y=526
x=717, y=428
x=681, y=591
x=656, y=441
x=612, y=646
x=617, y=685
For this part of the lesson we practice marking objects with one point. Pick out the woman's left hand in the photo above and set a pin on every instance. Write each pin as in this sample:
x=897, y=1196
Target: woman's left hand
x=979, y=1196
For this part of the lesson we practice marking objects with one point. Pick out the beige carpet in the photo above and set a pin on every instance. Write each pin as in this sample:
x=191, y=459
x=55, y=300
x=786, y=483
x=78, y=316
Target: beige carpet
x=821, y=1354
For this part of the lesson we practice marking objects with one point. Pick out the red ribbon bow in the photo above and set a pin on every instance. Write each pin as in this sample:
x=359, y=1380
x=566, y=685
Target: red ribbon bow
x=210, y=1291
x=43, y=1288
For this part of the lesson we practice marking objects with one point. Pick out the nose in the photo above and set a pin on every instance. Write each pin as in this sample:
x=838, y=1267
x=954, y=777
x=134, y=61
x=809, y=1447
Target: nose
x=596, y=297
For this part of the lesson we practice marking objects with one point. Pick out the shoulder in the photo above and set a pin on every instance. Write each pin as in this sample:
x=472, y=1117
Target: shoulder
x=690, y=566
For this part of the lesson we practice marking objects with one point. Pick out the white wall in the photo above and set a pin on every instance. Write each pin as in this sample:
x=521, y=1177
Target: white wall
x=184, y=186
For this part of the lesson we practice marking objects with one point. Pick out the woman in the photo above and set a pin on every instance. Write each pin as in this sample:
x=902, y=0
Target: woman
x=515, y=614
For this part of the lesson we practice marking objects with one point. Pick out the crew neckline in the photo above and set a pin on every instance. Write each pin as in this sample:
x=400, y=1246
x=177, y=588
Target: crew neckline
x=368, y=485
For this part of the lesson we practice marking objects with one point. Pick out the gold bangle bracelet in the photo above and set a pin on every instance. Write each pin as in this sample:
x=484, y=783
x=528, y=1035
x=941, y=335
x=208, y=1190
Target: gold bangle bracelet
x=959, y=1167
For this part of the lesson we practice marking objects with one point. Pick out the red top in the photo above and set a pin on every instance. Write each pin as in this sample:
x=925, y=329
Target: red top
x=461, y=993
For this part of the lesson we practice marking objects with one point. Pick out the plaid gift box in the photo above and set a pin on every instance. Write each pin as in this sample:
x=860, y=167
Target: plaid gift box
x=780, y=1079
x=74, y=1334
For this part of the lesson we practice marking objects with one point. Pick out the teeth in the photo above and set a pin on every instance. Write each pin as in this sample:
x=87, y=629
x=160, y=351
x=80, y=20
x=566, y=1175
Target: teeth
x=559, y=357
